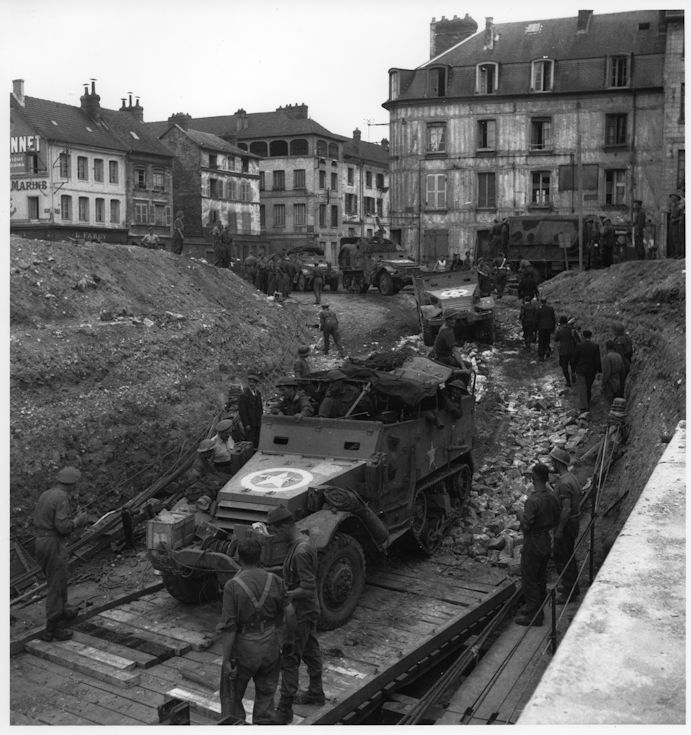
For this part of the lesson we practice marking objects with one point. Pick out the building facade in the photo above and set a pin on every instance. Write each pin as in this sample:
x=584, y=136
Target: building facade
x=72, y=171
x=304, y=179
x=215, y=182
x=558, y=116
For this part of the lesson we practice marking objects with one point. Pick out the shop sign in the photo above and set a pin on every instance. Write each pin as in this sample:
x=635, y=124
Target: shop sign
x=29, y=185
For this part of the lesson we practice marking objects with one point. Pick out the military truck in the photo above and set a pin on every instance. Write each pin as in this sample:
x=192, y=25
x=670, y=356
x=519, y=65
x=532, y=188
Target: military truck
x=375, y=261
x=356, y=484
x=308, y=260
x=455, y=293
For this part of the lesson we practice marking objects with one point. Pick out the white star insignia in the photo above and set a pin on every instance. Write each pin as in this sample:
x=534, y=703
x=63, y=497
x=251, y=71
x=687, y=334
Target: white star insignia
x=276, y=480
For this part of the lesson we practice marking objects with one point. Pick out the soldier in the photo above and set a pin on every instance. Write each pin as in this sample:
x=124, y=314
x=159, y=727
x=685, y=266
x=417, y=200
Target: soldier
x=54, y=522
x=301, y=367
x=445, y=341
x=203, y=463
x=300, y=577
x=568, y=491
x=150, y=240
x=293, y=401
x=567, y=349
x=501, y=273
x=204, y=477
x=623, y=345
x=340, y=396
x=328, y=324
x=613, y=374
x=255, y=607
x=178, y=232
x=221, y=252
x=587, y=365
x=539, y=516
x=250, y=409
x=546, y=322
x=317, y=283
x=528, y=317
x=223, y=444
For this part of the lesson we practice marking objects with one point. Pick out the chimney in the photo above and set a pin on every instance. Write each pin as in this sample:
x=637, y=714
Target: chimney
x=18, y=90
x=385, y=144
x=489, y=33
x=447, y=33
x=296, y=111
x=136, y=110
x=357, y=135
x=584, y=17
x=91, y=102
x=183, y=119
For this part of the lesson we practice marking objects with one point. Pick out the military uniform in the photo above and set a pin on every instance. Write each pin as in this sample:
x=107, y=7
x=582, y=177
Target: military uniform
x=298, y=404
x=568, y=489
x=54, y=522
x=546, y=322
x=328, y=323
x=613, y=376
x=254, y=602
x=250, y=408
x=339, y=398
x=300, y=570
x=540, y=515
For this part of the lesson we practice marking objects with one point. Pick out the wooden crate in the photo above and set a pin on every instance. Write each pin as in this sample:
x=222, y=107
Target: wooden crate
x=170, y=530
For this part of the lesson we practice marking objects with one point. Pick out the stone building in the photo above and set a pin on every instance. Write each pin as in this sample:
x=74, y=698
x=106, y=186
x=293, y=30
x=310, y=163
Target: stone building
x=86, y=173
x=574, y=116
x=214, y=182
x=365, y=186
x=304, y=177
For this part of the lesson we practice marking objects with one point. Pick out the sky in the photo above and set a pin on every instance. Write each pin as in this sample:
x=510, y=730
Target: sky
x=212, y=57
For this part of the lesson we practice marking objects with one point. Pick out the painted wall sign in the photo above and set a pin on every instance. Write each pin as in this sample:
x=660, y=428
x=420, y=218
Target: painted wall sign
x=29, y=184
x=25, y=143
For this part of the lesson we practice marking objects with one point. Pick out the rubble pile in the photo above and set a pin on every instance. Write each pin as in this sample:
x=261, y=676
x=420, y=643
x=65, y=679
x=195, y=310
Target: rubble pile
x=540, y=419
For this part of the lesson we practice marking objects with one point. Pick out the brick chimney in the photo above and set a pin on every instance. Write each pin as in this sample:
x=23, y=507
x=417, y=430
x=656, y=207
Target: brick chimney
x=91, y=102
x=241, y=121
x=584, y=17
x=385, y=144
x=183, y=119
x=134, y=109
x=446, y=33
x=357, y=135
x=489, y=33
x=18, y=91
x=296, y=111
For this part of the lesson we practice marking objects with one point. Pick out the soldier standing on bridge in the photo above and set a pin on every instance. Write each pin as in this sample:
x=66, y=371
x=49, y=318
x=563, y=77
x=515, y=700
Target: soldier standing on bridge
x=568, y=491
x=254, y=608
x=300, y=576
x=54, y=522
x=540, y=515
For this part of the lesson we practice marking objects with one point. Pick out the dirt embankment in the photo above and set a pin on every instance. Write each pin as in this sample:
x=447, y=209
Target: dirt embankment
x=120, y=357
x=649, y=298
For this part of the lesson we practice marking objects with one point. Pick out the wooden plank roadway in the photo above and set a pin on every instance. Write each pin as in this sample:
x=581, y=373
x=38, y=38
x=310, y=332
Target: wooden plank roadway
x=124, y=662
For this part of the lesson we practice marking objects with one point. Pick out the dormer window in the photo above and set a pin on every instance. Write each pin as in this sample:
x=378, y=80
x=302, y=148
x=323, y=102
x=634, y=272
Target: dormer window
x=542, y=75
x=437, y=81
x=487, y=78
x=619, y=70
x=394, y=85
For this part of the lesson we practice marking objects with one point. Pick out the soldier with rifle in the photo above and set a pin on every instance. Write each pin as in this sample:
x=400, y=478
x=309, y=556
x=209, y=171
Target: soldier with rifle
x=255, y=609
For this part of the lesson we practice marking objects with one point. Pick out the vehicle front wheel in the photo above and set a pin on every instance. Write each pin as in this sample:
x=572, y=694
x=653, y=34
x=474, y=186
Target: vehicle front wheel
x=385, y=284
x=193, y=588
x=341, y=579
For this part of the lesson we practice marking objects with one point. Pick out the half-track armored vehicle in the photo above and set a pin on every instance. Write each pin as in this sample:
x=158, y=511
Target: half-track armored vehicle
x=396, y=461
x=375, y=261
x=458, y=294
x=309, y=259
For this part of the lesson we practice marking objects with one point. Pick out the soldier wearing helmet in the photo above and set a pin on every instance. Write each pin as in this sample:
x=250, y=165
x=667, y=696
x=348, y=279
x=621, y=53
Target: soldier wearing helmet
x=568, y=490
x=54, y=522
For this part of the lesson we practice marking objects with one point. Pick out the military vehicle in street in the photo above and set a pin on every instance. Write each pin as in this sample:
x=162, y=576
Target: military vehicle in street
x=308, y=259
x=375, y=261
x=457, y=294
x=396, y=462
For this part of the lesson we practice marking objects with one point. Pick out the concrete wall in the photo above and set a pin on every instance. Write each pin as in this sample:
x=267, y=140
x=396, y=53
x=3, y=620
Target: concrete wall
x=622, y=660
